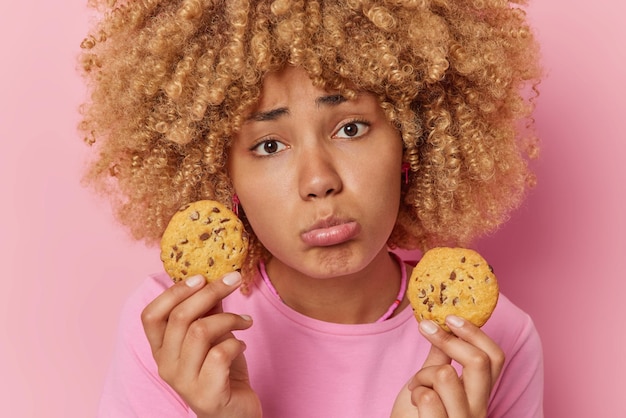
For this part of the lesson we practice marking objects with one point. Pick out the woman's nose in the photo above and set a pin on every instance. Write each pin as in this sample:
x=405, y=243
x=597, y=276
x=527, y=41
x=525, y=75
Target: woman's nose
x=318, y=175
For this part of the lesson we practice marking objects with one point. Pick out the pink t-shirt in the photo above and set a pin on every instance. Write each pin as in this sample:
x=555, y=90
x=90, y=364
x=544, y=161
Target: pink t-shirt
x=305, y=368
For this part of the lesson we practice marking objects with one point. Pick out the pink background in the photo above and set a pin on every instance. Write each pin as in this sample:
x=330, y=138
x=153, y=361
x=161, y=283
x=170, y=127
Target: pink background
x=561, y=257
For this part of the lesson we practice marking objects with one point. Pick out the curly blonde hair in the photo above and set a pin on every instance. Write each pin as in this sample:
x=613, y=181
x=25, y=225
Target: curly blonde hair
x=171, y=81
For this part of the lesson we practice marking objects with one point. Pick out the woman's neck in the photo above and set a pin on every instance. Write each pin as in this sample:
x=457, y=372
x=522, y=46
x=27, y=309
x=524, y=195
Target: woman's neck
x=363, y=297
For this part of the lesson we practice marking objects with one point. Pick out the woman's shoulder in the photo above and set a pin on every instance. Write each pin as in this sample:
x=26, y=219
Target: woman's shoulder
x=519, y=391
x=512, y=327
x=145, y=292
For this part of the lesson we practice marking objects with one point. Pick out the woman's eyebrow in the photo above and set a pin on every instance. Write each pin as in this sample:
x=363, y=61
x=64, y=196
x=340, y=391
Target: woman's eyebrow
x=330, y=100
x=273, y=114
x=268, y=115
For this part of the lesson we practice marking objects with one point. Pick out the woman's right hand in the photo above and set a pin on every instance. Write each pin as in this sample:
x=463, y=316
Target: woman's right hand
x=195, y=351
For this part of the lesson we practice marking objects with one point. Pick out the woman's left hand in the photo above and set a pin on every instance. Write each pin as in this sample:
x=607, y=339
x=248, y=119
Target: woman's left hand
x=437, y=390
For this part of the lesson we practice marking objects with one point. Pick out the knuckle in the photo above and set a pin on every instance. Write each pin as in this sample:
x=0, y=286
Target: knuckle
x=219, y=354
x=498, y=358
x=425, y=397
x=446, y=373
x=198, y=330
x=148, y=317
x=480, y=360
x=180, y=316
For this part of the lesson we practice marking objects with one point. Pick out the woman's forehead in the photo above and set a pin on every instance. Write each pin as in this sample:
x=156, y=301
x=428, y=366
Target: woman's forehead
x=292, y=82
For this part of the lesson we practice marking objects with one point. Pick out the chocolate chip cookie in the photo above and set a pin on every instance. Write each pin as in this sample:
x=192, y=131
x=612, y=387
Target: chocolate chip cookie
x=453, y=281
x=203, y=237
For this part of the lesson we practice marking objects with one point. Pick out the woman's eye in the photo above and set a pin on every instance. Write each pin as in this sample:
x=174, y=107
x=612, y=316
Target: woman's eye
x=352, y=130
x=268, y=147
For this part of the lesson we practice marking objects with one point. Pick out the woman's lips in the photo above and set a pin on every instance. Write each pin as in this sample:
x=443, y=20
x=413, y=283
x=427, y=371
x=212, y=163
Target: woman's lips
x=327, y=234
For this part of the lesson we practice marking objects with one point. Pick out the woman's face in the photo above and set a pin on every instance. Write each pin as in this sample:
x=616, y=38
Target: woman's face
x=318, y=176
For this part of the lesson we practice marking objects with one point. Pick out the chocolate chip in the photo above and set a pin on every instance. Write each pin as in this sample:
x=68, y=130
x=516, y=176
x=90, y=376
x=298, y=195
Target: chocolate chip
x=453, y=275
x=179, y=255
x=216, y=210
x=211, y=262
x=455, y=301
x=194, y=216
x=205, y=236
x=463, y=260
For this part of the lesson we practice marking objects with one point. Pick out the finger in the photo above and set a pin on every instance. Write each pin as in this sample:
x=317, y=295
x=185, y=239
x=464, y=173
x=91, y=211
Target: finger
x=428, y=403
x=445, y=383
x=205, y=333
x=435, y=357
x=217, y=363
x=155, y=315
x=486, y=360
x=475, y=336
x=467, y=348
x=197, y=305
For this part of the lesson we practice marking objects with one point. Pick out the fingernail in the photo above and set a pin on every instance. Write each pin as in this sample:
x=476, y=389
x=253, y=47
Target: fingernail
x=194, y=281
x=231, y=279
x=428, y=326
x=455, y=321
x=246, y=317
